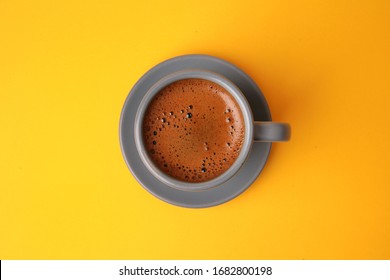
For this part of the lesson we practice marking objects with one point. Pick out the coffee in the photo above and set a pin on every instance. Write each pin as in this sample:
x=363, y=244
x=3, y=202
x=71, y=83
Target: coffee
x=193, y=130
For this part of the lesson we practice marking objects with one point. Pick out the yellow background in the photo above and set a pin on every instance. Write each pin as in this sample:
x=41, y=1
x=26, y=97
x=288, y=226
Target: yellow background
x=66, y=68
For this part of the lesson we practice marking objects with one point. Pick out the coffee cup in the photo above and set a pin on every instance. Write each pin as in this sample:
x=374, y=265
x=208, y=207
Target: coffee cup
x=184, y=159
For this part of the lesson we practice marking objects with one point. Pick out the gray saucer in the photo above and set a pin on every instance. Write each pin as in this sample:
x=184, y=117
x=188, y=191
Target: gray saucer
x=243, y=178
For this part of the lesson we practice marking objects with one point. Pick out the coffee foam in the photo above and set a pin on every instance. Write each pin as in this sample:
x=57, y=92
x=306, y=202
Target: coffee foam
x=193, y=130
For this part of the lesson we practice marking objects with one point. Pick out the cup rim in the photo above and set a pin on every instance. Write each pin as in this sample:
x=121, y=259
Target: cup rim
x=194, y=74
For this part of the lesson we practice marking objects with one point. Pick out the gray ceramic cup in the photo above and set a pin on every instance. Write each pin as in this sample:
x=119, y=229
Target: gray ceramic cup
x=254, y=131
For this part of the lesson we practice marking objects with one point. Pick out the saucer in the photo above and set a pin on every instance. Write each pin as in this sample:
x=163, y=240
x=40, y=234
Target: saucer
x=246, y=175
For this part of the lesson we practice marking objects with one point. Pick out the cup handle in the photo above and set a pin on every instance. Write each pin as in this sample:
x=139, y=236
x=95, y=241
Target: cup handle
x=271, y=132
